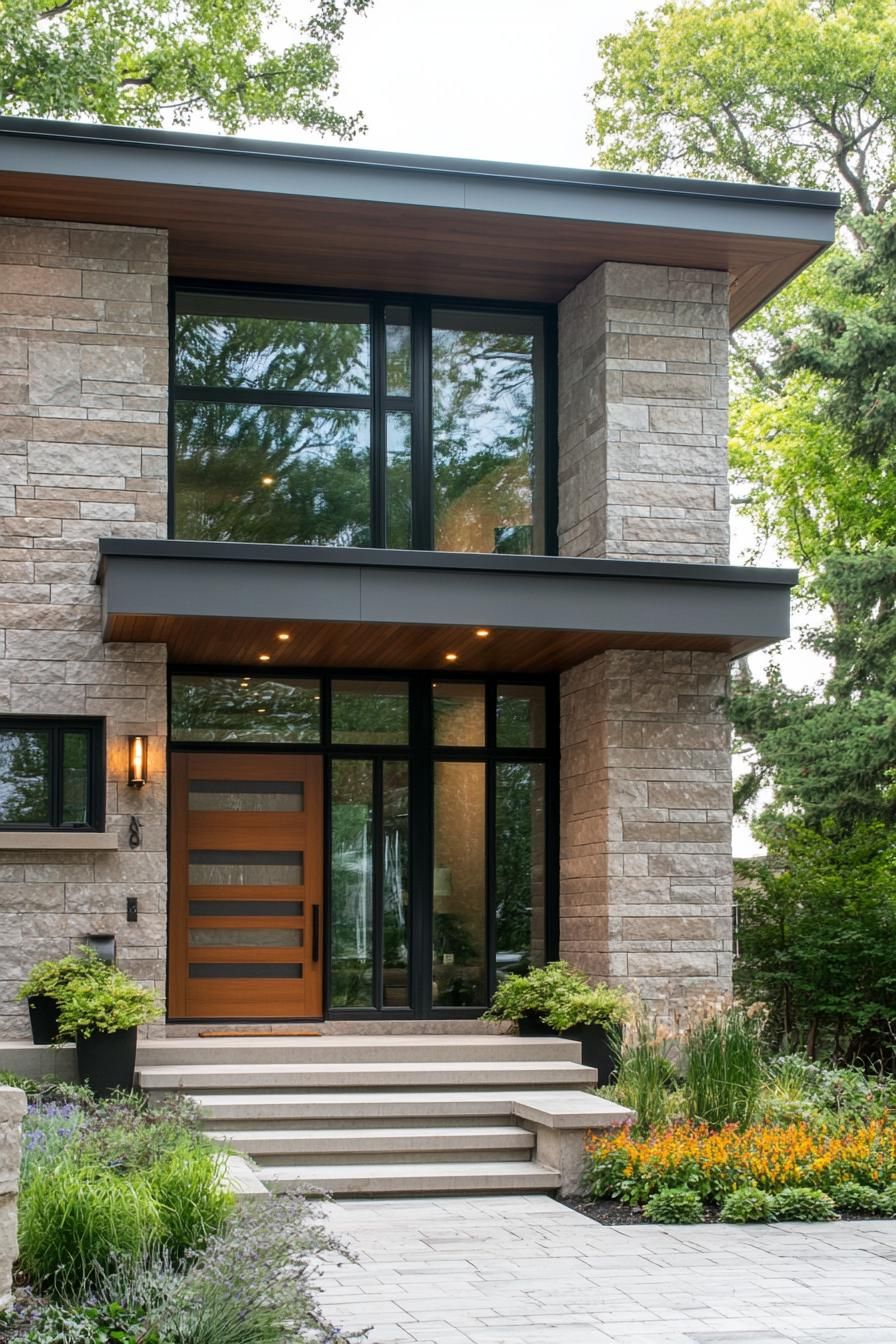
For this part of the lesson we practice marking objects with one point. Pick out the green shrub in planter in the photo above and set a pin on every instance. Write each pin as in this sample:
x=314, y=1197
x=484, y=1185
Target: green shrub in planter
x=674, y=1205
x=555, y=998
x=48, y=981
x=852, y=1197
x=748, y=1205
x=802, y=1204
x=103, y=1016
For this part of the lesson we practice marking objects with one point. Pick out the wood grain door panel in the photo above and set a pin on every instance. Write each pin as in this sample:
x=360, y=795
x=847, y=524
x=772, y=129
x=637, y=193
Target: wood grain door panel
x=245, y=919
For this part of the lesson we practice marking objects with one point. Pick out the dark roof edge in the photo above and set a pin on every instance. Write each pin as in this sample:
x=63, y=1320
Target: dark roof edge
x=584, y=177
x=446, y=560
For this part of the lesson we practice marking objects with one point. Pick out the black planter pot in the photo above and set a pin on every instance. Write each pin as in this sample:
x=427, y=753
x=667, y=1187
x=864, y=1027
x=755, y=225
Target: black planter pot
x=106, y=1060
x=532, y=1025
x=44, y=1014
x=596, y=1050
x=594, y=1040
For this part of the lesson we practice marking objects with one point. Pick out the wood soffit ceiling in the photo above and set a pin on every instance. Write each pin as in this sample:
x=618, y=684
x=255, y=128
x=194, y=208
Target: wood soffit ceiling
x=240, y=642
x=217, y=234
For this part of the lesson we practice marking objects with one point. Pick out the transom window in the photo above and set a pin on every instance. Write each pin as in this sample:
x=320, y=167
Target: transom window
x=51, y=774
x=327, y=421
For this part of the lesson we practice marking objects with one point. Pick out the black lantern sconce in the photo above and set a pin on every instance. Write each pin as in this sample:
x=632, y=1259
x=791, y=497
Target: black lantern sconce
x=138, y=745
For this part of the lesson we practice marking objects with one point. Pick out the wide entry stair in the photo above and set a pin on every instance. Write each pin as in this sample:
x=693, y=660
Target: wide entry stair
x=383, y=1115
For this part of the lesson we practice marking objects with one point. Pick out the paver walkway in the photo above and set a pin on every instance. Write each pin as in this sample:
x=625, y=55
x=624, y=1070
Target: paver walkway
x=527, y=1270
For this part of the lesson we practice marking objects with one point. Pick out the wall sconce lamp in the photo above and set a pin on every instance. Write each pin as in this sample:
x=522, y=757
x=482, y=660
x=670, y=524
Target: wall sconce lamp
x=137, y=750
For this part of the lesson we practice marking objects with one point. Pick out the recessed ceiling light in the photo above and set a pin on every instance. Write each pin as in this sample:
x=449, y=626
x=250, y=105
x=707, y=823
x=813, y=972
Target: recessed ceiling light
x=483, y=634
x=267, y=480
x=283, y=635
x=450, y=657
x=264, y=657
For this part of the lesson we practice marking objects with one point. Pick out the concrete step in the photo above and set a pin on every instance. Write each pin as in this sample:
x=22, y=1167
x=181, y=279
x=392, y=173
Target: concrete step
x=413, y=1178
x=386, y=1144
x=261, y=1077
x=353, y=1049
x=238, y=1110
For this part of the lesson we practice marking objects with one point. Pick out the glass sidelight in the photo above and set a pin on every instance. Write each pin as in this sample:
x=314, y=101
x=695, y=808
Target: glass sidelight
x=369, y=893
x=459, y=885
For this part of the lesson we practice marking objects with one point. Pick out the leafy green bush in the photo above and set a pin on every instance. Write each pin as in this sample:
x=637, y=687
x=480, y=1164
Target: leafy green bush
x=855, y=1198
x=802, y=1204
x=645, y=1076
x=597, y=1006
x=748, y=1205
x=816, y=929
x=723, y=1068
x=559, y=996
x=675, y=1205
x=113, y=1003
x=797, y=1087
x=62, y=1323
x=52, y=978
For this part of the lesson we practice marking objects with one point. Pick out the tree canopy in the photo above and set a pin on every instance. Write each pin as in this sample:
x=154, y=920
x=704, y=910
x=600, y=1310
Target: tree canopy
x=156, y=62
x=796, y=91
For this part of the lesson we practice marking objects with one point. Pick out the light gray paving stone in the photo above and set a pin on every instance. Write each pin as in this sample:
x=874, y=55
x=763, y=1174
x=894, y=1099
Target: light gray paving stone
x=527, y=1270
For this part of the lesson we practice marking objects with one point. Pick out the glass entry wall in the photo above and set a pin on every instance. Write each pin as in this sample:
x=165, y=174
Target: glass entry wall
x=440, y=803
x=342, y=420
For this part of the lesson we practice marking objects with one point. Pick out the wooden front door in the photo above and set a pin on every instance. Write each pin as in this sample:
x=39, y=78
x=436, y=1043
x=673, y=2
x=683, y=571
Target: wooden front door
x=246, y=918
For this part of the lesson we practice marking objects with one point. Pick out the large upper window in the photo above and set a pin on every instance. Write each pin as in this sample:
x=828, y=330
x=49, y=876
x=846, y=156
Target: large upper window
x=344, y=423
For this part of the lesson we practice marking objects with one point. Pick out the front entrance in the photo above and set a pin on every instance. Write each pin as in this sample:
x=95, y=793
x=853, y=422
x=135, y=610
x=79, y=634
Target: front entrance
x=246, y=913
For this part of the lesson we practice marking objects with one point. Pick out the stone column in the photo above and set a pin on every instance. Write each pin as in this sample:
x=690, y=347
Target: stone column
x=12, y=1108
x=645, y=881
x=83, y=445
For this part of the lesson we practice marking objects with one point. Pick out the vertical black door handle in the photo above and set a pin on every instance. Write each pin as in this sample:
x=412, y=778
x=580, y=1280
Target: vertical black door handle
x=315, y=933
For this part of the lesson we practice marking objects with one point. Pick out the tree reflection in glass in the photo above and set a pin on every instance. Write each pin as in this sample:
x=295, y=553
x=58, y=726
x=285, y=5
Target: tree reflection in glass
x=265, y=472
x=487, y=432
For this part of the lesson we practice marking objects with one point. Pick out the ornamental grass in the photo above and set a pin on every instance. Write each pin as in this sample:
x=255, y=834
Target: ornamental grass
x=713, y=1163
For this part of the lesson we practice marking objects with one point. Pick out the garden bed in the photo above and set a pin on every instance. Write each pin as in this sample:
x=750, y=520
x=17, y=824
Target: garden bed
x=128, y=1232
x=611, y=1213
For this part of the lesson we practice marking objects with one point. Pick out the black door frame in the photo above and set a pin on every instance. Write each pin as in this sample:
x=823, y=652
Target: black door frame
x=421, y=755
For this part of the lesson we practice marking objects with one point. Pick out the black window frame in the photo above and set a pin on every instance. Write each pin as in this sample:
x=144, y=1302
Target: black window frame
x=96, y=772
x=377, y=402
x=421, y=755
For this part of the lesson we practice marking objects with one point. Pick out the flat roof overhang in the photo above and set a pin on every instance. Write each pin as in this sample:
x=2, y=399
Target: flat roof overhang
x=224, y=603
x=266, y=211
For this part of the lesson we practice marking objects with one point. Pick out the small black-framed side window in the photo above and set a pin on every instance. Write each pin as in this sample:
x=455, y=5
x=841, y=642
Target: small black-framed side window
x=51, y=774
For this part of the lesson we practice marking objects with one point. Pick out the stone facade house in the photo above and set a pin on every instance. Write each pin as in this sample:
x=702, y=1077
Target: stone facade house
x=364, y=576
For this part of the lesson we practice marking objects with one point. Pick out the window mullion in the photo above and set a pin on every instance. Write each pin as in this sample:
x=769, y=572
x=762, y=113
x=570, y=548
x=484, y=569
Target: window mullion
x=55, y=766
x=421, y=431
x=378, y=458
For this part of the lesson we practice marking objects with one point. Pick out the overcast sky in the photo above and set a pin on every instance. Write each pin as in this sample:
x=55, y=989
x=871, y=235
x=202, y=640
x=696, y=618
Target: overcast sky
x=486, y=79
x=493, y=79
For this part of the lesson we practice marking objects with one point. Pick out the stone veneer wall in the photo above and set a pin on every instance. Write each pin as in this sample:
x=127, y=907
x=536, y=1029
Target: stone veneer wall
x=645, y=881
x=83, y=446
x=12, y=1108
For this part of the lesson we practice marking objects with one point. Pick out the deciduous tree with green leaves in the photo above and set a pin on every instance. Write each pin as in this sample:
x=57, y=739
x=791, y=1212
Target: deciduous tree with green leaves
x=773, y=91
x=159, y=62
